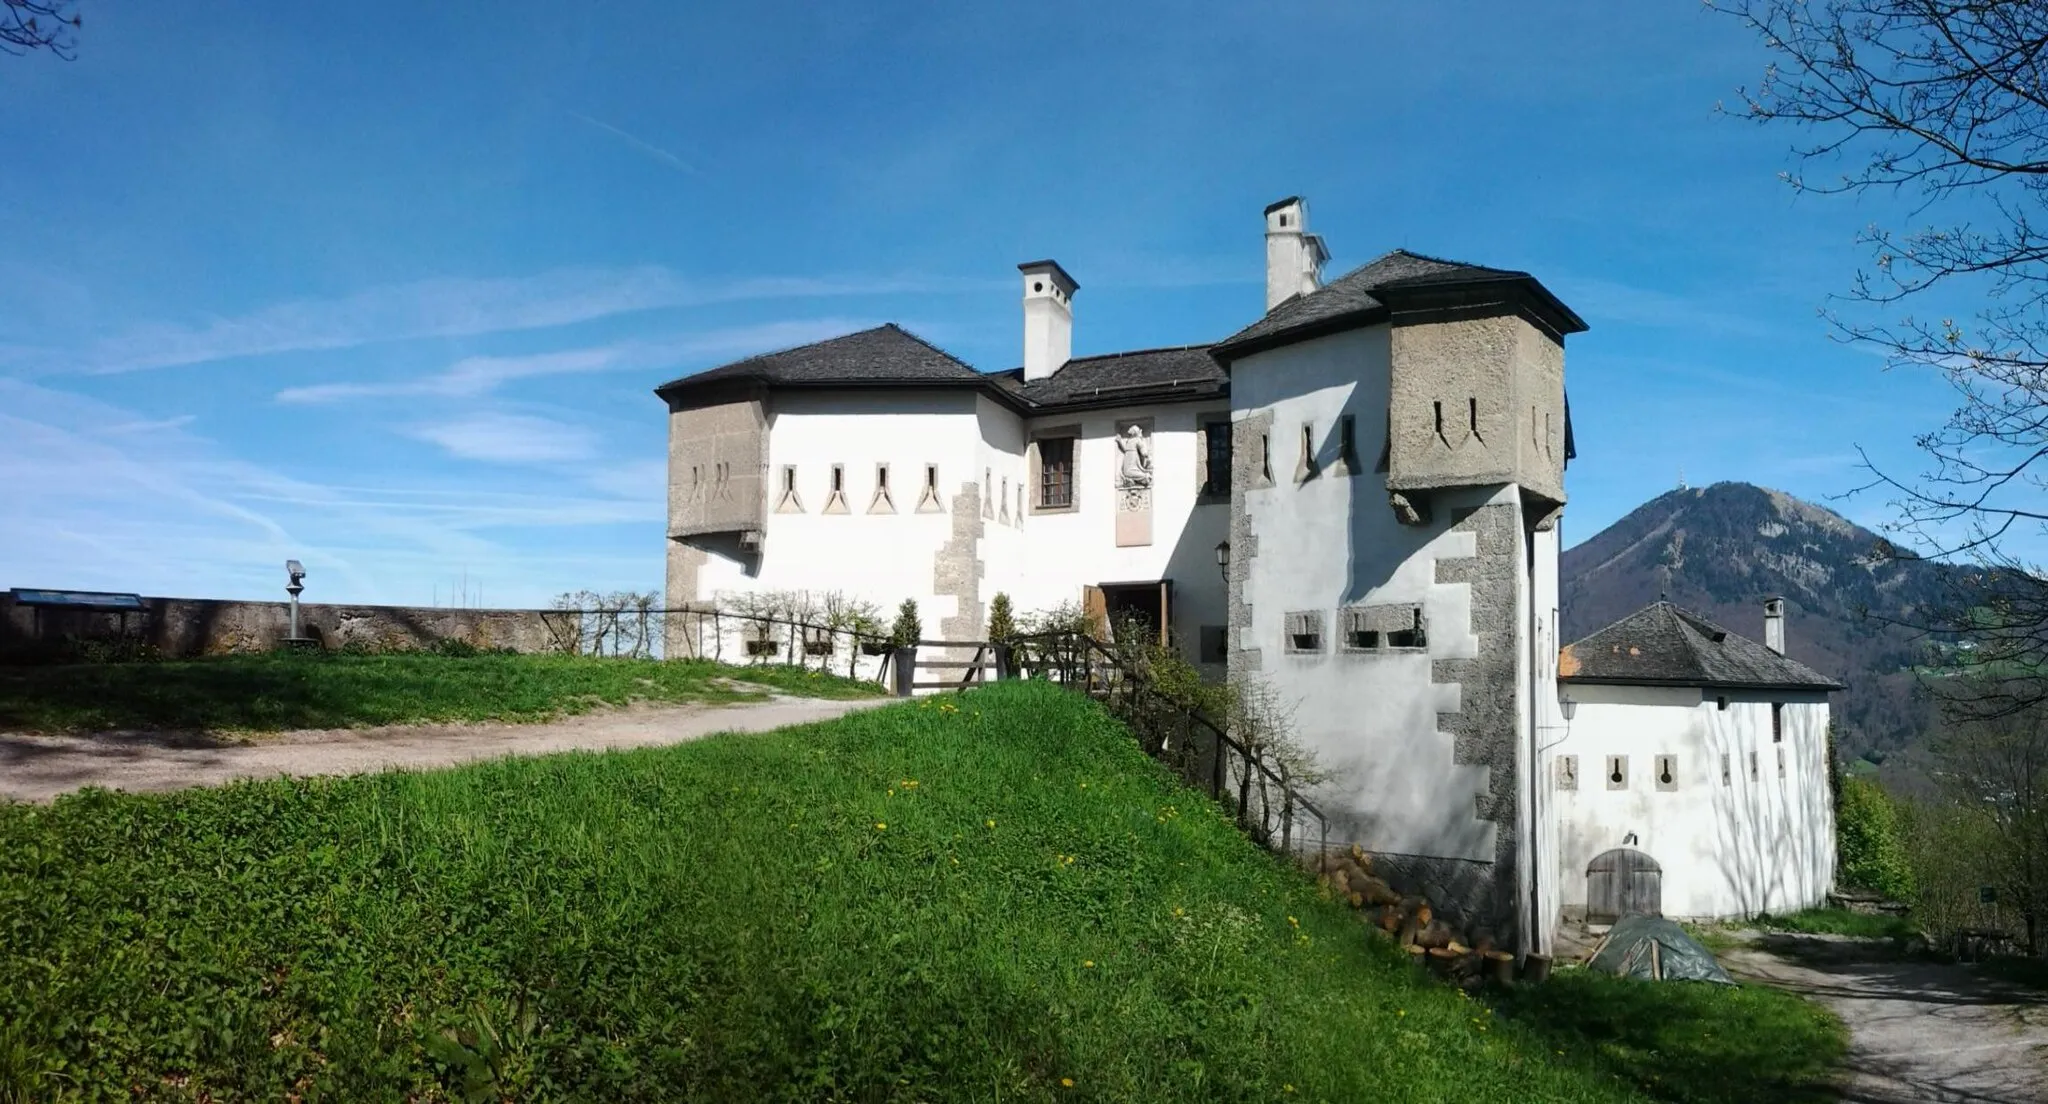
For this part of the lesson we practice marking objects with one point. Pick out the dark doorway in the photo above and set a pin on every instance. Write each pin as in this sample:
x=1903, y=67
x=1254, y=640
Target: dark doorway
x=1620, y=882
x=1147, y=604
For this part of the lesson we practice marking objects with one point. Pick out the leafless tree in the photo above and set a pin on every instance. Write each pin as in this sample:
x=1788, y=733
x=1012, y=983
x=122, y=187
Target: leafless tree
x=30, y=25
x=1997, y=768
x=1944, y=102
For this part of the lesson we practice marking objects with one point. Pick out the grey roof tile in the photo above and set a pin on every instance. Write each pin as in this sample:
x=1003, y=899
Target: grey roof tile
x=885, y=354
x=1668, y=645
x=1183, y=372
x=1352, y=295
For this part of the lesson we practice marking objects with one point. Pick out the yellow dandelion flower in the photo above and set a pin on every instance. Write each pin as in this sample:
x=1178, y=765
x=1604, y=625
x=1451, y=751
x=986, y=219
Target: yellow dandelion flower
x=908, y=783
x=1066, y=1082
x=991, y=823
x=1179, y=911
x=1293, y=921
x=1088, y=964
x=880, y=826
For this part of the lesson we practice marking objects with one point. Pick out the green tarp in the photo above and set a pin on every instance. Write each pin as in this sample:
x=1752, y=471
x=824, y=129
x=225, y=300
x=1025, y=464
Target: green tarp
x=1655, y=949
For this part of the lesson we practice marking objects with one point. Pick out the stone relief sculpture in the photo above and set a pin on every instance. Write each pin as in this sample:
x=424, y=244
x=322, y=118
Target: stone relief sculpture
x=1134, y=476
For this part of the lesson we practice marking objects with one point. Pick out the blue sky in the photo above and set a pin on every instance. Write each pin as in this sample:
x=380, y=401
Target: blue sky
x=385, y=287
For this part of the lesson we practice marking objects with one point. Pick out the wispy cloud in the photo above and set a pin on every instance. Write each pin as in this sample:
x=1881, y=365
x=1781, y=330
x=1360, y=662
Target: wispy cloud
x=509, y=438
x=473, y=377
x=448, y=307
x=639, y=143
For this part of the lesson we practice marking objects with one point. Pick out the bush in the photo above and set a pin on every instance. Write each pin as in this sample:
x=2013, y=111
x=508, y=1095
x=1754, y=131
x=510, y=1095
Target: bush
x=1870, y=846
x=1002, y=625
x=908, y=630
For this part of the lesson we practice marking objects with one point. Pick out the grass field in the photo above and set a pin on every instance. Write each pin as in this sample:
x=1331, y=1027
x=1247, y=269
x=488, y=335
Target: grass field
x=1837, y=921
x=260, y=693
x=993, y=896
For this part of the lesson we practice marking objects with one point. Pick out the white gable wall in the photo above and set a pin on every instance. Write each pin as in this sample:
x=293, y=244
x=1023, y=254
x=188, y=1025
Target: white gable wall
x=1730, y=849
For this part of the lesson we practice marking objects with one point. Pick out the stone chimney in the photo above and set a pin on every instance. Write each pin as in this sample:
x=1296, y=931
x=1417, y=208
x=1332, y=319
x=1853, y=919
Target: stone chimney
x=1294, y=257
x=1774, y=624
x=1048, y=318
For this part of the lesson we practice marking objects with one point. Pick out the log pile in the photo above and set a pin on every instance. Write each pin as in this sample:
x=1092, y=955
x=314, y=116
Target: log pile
x=1411, y=923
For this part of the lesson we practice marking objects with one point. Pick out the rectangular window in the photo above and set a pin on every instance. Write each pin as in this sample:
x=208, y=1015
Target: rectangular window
x=1305, y=632
x=1392, y=628
x=1777, y=722
x=1216, y=457
x=1617, y=772
x=838, y=478
x=1667, y=772
x=788, y=478
x=1056, y=473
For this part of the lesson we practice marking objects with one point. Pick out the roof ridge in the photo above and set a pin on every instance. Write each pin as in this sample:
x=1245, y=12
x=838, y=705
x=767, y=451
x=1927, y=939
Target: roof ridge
x=1141, y=352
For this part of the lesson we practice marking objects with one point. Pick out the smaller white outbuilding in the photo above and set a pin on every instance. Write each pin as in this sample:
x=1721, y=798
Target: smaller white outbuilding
x=1692, y=776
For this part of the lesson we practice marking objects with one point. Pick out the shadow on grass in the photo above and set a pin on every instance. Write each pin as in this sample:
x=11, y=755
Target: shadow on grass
x=1684, y=1040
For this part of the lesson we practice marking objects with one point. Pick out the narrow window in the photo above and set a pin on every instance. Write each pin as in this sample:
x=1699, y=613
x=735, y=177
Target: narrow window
x=1347, y=444
x=882, y=503
x=1004, y=501
x=928, y=502
x=789, y=502
x=1568, y=772
x=1781, y=762
x=1472, y=408
x=1056, y=473
x=1726, y=778
x=1721, y=703
x=1020, y=503
x=838, y=477
x=988, y=493
x=1438, y=406
x=1667, y=772
x=1752, y=766
x=1266, y=457
x=1777, y=722
x=1307, y=468
x=835, y=502
x=789, y=478
x=1617, y=772
x=1216, y=448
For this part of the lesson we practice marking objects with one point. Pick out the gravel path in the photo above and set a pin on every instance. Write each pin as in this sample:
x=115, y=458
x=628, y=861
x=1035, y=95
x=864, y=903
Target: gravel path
x=38, y=768
x=1918, y=1031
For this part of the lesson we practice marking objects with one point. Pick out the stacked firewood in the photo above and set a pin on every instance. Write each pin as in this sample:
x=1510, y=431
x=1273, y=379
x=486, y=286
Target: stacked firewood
x=1409, y=921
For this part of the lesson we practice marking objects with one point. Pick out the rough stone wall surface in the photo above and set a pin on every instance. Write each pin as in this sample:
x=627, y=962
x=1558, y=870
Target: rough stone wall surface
x=680, y=592
x=1500, y=367
x=1249, y=436
x=1485, y=729
x=187, y=627
x=717, y=467
x=957, y=567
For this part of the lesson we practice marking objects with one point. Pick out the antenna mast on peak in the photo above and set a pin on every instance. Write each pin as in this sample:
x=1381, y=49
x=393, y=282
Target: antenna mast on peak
x=1681, y=479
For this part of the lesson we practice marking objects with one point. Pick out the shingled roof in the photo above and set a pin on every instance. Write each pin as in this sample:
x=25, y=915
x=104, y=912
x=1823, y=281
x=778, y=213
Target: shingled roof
x=1360, y=297
x=1666, y=645
x=1180, y=373
x=887, y=354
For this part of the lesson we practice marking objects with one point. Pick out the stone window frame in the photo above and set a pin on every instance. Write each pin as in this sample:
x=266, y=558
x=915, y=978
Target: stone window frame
x=1567, y=772
x=1616, y=774
x=1210, y=486
x=883, y=502
x=789, y=501
x=928, y=499
x=1351, y=617
x=1303, y=623
x=1036, y=472
x=1666, y=773
x=835, y=497
x=1347, y=446
x=1308, y=466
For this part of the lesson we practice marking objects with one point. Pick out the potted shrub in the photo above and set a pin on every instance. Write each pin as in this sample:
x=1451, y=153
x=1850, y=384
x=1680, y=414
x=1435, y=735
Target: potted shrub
x=904, y=636
x=1002, y=629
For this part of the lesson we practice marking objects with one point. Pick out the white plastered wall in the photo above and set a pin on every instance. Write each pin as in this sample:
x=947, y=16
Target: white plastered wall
x=1331, y=541
x=1733, y=849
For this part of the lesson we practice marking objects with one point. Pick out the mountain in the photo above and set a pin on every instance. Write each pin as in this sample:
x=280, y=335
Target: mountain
x=1722, y=550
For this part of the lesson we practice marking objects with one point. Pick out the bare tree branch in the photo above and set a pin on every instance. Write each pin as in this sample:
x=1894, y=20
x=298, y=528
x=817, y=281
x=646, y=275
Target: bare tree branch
x=30, y=25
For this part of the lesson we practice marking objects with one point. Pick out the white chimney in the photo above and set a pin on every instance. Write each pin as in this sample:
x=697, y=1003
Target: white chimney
x=1774, y=624
x=1048, y=317
x=1294, y=257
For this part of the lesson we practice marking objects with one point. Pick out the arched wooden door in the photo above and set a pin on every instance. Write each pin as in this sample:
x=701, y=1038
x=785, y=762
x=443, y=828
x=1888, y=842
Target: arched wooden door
x=1620, y=882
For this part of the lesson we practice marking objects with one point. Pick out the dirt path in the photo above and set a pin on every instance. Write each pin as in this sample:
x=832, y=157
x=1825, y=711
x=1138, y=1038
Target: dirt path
x=38, y=768
x=1918, y=1031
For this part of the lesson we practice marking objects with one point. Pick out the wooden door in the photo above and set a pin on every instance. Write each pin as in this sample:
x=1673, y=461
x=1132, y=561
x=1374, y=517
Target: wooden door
x=1095, y=607
x=1620, y=882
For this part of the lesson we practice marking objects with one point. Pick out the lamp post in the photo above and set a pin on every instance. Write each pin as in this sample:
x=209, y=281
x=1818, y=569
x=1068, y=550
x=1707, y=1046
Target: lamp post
x=297, y=572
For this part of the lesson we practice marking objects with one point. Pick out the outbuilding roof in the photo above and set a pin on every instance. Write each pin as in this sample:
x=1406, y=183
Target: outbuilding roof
x=1666, y=645
x=1361, y=297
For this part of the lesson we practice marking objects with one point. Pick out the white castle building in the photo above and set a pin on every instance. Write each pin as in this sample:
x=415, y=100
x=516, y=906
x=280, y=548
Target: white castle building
x=1355, y=497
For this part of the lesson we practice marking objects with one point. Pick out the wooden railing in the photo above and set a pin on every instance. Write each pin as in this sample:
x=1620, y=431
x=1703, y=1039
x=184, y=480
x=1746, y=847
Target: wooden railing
x=1266, y=806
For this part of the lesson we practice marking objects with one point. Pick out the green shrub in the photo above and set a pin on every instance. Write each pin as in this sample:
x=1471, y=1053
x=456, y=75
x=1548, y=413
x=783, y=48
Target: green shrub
x=1870, y=846
x=908, y=629
x=1002, y=624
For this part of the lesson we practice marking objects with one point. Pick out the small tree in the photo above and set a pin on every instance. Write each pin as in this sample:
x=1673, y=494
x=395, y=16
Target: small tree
x=1002, y=627
x=908, y=630
x=1869, y=843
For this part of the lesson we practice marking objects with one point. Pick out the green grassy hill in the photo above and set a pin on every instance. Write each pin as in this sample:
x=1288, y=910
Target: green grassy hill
x=993, y=896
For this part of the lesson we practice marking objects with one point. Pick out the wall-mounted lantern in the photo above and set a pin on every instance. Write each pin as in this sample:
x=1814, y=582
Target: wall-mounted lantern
x=1568, y=707
x=1223, y=557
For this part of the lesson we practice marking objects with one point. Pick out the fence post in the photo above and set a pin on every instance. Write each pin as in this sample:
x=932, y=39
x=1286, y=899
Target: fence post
x=904, y=660
x=1286, y=811
x=1005, y=663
